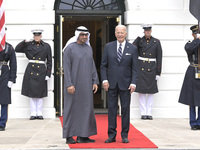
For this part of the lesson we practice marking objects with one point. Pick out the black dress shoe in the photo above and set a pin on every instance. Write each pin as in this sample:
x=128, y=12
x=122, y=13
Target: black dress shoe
x=70, y=140
x=125, y=140
x=144, y=117
x=40, y=117
x=198, y=127
x=2, y=128
x=80, y=140
x=88, y=140
x=149, y=117
x=194, y=127
x=32, y=117
x=110, y=140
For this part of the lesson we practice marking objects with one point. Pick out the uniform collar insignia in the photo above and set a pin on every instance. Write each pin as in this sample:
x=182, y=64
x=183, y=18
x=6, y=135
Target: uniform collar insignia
x=41, y=42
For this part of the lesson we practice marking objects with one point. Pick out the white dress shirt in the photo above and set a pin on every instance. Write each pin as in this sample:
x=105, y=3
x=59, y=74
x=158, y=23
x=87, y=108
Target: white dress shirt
x=123, y=45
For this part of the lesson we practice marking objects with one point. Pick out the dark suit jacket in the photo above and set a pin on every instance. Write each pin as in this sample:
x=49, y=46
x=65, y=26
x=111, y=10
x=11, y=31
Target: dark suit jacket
x=122, y=73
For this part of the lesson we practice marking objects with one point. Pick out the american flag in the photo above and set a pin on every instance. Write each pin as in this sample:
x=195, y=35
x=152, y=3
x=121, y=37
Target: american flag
x=2, y=26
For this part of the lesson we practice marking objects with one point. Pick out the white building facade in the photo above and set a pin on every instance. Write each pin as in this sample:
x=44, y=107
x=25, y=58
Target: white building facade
x=171, y=19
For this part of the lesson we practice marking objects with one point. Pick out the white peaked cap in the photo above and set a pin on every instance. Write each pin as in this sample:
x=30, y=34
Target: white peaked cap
x=37, y=31
x=146, y=25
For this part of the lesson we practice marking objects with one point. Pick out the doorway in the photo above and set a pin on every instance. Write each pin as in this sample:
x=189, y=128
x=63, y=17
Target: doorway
x=101, y=31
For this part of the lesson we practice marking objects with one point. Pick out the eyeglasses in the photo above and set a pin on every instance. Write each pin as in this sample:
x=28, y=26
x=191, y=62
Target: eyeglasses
x=82, y=34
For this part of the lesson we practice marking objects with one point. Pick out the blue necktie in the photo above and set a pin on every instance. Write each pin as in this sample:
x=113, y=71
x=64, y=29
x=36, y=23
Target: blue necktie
x=119, y=52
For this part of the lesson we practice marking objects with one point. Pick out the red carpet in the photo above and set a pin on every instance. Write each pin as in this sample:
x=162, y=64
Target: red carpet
x=136, y=138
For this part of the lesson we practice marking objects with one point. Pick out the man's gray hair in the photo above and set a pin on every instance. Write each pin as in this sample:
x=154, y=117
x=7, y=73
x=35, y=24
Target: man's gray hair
x=120, y=25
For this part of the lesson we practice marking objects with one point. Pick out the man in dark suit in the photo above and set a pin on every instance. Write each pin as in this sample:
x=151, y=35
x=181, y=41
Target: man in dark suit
x=119, y=67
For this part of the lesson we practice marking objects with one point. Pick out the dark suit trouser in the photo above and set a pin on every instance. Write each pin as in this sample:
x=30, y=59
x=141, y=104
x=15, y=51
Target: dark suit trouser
x=4, y=115
x=112, y=111
x=193, y=119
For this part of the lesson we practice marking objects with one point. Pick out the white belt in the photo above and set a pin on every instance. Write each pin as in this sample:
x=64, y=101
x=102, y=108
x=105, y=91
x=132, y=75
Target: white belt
x=37, y=61
x=146, y=59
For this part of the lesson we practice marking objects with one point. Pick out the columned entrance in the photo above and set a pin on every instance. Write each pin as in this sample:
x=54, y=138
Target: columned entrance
x=100, y=17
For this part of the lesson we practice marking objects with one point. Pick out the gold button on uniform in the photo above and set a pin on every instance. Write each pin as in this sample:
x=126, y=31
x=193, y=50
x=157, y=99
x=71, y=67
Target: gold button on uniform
x=142, y=68
x=38, y=66
x=33, y=57
x=143, y=53
x=148, y=69
x=31, y=73
x=32, y=65
x=37, y=74
x=39, y=58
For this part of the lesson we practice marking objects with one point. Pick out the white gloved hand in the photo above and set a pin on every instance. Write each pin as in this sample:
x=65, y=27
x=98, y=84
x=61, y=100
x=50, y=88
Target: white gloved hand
x=10, y=83
x=28, y=39
x=157, y=77
x=198, y=35
x=47, y=78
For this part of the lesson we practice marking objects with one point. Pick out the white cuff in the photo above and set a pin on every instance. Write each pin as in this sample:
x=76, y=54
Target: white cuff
x=104, y=81
x=133, y=85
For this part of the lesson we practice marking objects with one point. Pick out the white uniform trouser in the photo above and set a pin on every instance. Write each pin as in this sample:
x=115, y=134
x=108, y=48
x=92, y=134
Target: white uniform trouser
x=36, y=105
x=146, y=104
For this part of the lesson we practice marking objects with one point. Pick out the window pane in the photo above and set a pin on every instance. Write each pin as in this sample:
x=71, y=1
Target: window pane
x=89, y=4
x=79, y=5
x=109, y=1
x=68, y=1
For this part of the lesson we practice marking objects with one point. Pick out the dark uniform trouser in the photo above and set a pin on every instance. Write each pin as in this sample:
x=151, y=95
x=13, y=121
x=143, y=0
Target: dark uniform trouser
x=112, y=111
x=193, y=119
x=4, y=115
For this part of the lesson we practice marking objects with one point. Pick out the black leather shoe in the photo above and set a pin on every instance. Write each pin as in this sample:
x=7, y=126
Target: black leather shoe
x=32, y=117
x=198, y=127
x=2, y=128
x=40, y=117
x=70, y=140
x=80, y=140
x=194, y=127
x=125, y=140
x=144, y=117
x=88, y=140
x=149, y=117
x=110, y=140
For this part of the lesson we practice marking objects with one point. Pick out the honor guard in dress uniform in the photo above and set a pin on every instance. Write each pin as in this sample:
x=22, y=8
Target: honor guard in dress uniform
x=150, y=60
x=37, y=73
x=190, y=92
x=8, y=69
